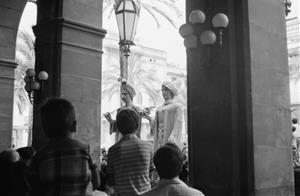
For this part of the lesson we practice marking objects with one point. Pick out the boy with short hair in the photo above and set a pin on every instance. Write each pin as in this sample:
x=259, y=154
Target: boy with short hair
x=64, y=166
x=130, y=160
x=168, y=161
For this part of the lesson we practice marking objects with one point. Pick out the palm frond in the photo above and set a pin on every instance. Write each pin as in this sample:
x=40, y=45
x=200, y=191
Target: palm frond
x=149, y=10
x=170, y=5
x=165, y=15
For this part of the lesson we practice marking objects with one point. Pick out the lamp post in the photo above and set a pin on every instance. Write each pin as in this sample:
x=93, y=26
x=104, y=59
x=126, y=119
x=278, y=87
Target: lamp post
x=127, y=14
x=34, y=82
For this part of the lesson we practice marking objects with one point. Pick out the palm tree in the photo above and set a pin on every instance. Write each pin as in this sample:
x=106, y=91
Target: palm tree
x=155, y=8
x=25, y=57
x=143, y=81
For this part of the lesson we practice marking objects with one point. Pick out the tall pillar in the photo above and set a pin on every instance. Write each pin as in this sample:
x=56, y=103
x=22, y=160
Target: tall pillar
x=238, y=103
x=10, y=15
x=69, y=47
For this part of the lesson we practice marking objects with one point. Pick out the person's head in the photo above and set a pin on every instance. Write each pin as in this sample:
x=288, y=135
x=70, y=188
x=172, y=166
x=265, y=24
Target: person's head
x=10, y=155
x=127, y=121
x=127, y=92
x=294, y=120
x=26, y=153
x=169, y=90
x=168, y=161
x=58, y=118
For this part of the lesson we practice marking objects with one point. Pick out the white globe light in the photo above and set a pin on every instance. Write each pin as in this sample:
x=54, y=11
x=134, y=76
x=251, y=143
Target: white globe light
x=35, y=86
x=190, y=42
x=208, y=37
x=197, y=16
x=220, y=20
x=30, y=72
x=43, y=75
x=186, y=30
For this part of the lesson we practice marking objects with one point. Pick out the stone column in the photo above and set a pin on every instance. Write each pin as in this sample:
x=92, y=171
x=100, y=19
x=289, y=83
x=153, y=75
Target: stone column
x=10, y=14
x=238, y=103
x=69, y=47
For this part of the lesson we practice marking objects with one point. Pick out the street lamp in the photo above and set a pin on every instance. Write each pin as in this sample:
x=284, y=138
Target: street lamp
x=34, y=82
x=199, y=42
x=208, y=37
x=127, y=15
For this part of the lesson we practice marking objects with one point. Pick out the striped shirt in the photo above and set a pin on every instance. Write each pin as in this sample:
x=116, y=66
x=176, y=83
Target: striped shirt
x=128, y=165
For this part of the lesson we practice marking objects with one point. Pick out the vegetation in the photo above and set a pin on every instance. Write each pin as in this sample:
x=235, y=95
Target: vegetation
x=25, y=57
x=155, y=8
x=143, y=81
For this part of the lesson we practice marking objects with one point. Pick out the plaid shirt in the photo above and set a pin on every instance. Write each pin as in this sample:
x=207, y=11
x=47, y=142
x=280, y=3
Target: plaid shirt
x=62, y=167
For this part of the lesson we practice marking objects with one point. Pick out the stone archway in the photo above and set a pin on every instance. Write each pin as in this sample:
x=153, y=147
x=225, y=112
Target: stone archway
x=11, y=12
x=245, y=153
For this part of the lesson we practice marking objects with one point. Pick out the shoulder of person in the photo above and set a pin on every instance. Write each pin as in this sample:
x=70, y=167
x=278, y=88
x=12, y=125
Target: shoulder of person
x=81, y=145
x=176, y=104
x=195, y=192
x=137, y=108
x=113, y=147
x=150, y=192
x=149, y=144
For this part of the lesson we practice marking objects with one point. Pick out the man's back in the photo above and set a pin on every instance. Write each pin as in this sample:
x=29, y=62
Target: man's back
x=129, y=162
x=172, y=187
x=62, y=168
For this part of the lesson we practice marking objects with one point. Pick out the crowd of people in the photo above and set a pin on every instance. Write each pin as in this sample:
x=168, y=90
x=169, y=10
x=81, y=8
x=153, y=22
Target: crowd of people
x=132, y=166
x=296, y=142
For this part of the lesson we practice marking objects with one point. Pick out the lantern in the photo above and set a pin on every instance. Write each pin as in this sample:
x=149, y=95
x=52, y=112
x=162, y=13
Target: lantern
x=127, y=15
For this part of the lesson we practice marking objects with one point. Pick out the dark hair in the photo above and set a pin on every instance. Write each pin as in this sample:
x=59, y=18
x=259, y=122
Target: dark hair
x=26, y=152
x=168, y=161
x=173, y=145
x=127, y=121
x=58, y=116
x=295, y=120
x=10, y=155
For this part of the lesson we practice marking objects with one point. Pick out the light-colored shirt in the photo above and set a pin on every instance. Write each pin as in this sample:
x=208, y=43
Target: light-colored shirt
x=172, y=187
x=128, y=164
x=168, y=125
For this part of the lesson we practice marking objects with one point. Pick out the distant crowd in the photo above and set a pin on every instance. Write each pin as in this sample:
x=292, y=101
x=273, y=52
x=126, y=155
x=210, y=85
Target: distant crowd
x=296, y=142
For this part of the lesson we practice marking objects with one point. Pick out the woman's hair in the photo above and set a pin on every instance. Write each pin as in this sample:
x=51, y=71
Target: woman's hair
x=58, y=116
x=127, y=121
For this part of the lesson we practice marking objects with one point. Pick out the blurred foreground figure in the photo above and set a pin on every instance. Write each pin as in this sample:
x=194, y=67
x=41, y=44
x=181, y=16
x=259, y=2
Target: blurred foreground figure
x=64, y=166
x=168, y=161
